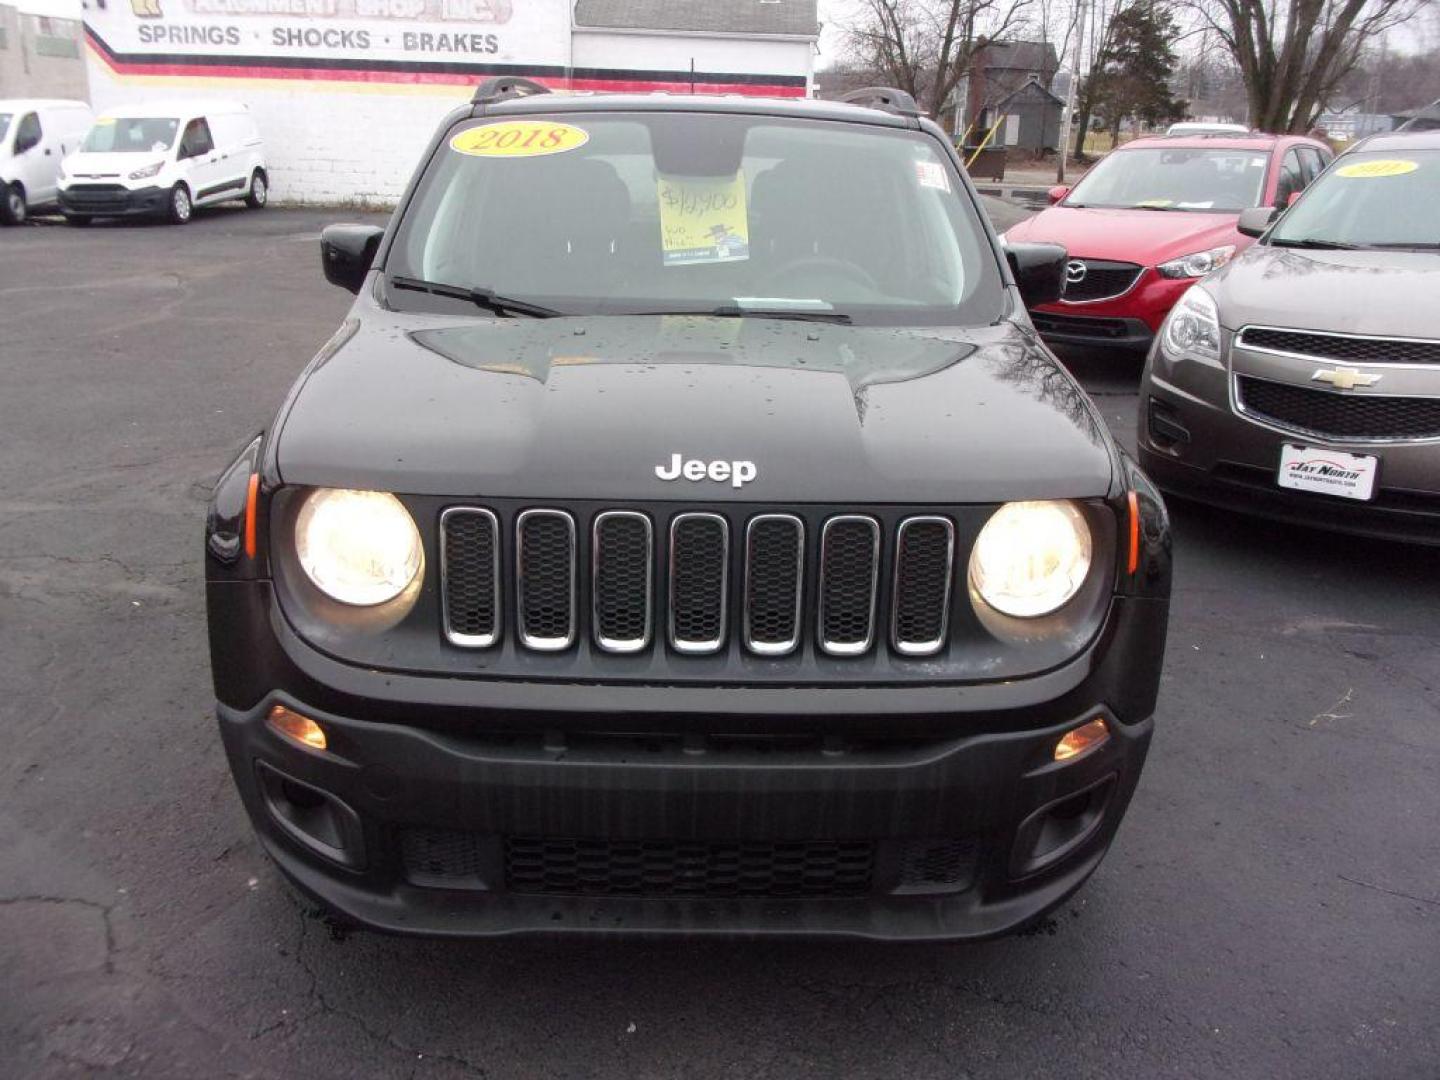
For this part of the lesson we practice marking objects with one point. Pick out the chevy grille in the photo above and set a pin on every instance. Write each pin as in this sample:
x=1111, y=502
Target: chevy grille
x=1341, y=347
x=1336, y=415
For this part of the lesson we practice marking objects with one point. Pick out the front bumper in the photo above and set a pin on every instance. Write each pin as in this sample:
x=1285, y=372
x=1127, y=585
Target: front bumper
x=1128, y=322
x=113, y=200
x=1193, y=444
x=473, y=807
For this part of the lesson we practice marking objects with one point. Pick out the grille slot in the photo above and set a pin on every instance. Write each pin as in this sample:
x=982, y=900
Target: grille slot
x=470, y=576
x=545, y=579
x=774, y=577
x=1364, y=350
x=602, y=867
x=623, y=558
x=444, y=859
x=849, y=571
x=1103, y=279
x=1339, y=415
x=924, y=568
x=938, y=865
x=699, y=580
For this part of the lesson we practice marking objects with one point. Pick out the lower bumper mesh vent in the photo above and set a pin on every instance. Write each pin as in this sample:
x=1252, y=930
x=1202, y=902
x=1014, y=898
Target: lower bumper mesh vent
x=599, y=867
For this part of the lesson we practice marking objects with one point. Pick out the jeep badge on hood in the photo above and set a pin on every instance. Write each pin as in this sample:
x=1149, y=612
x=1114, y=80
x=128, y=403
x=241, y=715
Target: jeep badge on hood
x=739, y=473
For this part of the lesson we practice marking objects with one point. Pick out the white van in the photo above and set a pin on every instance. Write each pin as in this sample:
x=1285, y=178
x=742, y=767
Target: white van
x=35, y=136
x=164, y=159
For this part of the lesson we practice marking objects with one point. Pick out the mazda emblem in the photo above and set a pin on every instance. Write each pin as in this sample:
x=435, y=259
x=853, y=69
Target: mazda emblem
x=1075, y=272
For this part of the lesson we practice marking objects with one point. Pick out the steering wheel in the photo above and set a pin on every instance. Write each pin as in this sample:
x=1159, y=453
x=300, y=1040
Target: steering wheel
x=782, y=274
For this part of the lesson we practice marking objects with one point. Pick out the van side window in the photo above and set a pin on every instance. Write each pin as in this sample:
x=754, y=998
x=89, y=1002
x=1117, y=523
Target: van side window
x=28, y=133
x=196, y=140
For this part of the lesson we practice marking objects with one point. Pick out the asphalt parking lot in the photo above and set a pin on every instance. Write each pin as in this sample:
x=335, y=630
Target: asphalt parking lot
x=1271, y=907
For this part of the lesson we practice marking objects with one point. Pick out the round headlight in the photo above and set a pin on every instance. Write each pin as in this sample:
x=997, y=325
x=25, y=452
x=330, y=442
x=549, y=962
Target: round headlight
x=359, y=547
x=1031, y=558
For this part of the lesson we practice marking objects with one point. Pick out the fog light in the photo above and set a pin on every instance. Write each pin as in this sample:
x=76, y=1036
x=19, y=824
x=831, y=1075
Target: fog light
x=307, y=732
x=1081, y=740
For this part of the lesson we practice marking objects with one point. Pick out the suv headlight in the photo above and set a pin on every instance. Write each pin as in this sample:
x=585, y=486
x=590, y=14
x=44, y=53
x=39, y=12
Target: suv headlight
x=1031, y=558
x=1192, y=328
x=147, y=172
x=359, y=547
x=1197, y=264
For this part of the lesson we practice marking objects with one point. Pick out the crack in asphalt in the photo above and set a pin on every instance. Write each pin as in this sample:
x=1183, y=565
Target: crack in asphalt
x=1390, y=892
x=104, y=909
x=325, y=1005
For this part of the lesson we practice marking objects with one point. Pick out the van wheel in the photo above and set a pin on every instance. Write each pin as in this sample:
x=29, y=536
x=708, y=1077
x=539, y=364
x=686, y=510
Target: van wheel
x=12, y=208
x=180, y=206
x=259, y=191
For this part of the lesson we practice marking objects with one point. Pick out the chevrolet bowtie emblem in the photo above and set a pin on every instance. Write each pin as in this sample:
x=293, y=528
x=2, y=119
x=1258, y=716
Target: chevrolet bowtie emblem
x=1344, y=378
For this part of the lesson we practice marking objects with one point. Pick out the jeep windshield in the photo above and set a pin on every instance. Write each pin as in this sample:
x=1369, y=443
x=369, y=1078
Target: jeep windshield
x=694, y=213
x=1382, y=199
x=1174, y=178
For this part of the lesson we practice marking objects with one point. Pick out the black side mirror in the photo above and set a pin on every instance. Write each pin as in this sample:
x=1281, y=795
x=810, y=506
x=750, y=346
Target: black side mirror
x=1039, y=271
x=1255, y=220
x=346, y=252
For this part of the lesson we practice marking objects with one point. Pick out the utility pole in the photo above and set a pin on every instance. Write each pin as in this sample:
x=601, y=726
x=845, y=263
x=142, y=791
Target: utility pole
x=1073, y=96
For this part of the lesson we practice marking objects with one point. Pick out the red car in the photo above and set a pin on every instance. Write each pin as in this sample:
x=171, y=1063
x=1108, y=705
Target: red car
x=1150, y=220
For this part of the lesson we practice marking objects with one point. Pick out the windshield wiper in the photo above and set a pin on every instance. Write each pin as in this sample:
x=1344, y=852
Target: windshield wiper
x=1409, y=245
x=482, y=298
x=1316, y=244
x=735, y=311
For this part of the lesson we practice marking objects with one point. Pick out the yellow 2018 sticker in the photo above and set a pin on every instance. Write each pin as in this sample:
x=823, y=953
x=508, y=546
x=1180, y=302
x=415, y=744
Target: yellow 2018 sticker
x=1369, y=170
x=519, y=138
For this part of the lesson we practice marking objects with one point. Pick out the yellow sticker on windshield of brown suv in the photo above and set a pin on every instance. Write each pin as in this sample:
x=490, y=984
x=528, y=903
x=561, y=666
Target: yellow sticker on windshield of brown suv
x=519, y=138
x=1369, y=170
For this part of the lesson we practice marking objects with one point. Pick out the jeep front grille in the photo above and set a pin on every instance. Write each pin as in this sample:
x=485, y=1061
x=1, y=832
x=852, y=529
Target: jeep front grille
x=849, y=567
x=774, y=583
x=699, y=581
x=837, y=585
x=470, y=565
x=920, y=609
x=545, y=579
x=622, y=555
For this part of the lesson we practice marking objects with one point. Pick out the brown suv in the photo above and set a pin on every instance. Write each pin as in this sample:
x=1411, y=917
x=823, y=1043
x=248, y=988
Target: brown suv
x=1302, y=381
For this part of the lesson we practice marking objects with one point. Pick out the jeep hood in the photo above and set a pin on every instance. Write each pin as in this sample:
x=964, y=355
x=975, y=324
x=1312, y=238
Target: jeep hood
x=582, y=407
x=1384, y=293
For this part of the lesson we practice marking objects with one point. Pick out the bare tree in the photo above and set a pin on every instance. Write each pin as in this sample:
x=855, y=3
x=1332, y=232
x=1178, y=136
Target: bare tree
x=925, y=47
x=1295, y=53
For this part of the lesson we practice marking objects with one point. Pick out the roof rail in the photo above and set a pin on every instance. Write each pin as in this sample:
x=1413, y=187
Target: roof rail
x=504, y=87
x=886, y=98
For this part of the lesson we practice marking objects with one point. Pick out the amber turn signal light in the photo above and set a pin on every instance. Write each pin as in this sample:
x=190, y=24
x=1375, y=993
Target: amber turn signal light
x=301, y=729
x=1081, y=740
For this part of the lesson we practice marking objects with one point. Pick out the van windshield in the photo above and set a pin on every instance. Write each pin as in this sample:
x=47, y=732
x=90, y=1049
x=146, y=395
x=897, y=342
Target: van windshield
x=4, y=125
x=698, y=213
x=131, y=135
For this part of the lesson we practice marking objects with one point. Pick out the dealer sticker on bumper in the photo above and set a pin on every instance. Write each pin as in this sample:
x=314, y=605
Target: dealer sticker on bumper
x=1330, y=472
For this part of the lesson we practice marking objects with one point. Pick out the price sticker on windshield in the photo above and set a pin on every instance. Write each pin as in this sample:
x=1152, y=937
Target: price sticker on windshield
x=519, y=138
x=1370, y=170
x=703, y=219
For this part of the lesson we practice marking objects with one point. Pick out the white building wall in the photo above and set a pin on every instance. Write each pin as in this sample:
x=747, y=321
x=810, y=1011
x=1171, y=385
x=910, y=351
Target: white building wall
x=346, y=96
x=325, y=143
x=756, y=56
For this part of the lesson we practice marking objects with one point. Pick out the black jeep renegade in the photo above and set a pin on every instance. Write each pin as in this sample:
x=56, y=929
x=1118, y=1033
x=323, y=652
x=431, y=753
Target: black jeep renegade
x=687, y=533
